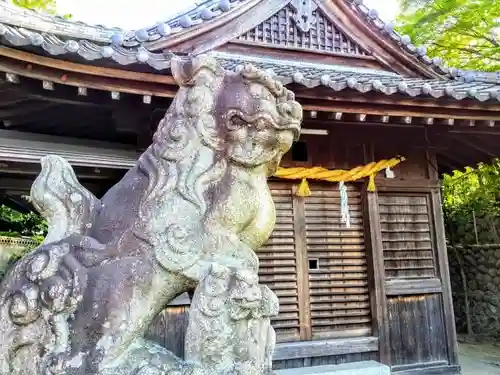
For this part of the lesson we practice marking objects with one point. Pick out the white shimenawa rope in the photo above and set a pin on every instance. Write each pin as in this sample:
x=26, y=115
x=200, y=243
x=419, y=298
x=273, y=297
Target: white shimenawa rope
x=345, y=218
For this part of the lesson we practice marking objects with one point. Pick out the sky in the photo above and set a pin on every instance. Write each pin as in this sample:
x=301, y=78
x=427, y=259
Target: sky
x=138, y=14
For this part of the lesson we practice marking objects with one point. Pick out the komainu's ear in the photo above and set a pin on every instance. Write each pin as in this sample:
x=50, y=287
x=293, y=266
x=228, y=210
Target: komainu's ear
x=186, y=69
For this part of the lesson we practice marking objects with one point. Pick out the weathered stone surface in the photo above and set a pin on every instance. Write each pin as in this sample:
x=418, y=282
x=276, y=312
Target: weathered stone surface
x=188, y=216
x=483, y=269
x=358, y=368
x=483, y=287
x=470, y=259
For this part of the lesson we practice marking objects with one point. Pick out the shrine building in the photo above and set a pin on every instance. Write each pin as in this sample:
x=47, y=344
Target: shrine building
x=358, y=259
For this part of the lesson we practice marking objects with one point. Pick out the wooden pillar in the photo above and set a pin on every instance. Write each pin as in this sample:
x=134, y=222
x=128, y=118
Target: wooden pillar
x=375, y=258
x=444, y=273
x=302, y=266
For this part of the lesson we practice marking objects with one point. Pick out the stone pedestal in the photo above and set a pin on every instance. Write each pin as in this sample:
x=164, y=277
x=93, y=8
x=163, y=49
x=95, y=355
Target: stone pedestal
x=357, y=368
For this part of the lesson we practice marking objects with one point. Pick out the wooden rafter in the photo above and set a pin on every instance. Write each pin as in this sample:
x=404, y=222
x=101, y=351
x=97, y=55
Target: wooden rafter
x=482, y=149
x=68, y=66
x=60, y=76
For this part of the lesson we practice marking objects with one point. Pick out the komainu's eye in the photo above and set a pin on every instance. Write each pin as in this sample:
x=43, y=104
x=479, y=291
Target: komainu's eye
x=236, y=122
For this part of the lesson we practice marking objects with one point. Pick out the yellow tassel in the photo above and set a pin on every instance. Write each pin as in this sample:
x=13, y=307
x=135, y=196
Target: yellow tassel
x=371, y=184
x=303, y=190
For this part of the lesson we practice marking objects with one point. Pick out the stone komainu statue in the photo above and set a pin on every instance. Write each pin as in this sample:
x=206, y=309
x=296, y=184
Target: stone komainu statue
x=188, y=216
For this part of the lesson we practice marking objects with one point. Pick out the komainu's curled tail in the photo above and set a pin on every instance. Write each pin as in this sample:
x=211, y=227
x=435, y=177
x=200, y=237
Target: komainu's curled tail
x=42, y=290
x=57, y=195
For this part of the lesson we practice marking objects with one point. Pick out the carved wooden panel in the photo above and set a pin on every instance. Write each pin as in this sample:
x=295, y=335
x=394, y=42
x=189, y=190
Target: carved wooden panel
x=406, y=226
x=338, y=271
x=304, y=27
x=278, y=268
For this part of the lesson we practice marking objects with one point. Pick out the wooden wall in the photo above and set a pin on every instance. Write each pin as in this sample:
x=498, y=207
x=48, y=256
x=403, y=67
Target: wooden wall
x=319, y=270
x=415, y=277
x=376, y=290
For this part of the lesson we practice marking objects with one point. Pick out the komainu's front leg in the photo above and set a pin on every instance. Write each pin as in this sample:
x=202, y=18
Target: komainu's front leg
x=229, y=329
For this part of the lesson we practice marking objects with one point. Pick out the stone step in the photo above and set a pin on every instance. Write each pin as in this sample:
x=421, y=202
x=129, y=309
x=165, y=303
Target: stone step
x=356, y=368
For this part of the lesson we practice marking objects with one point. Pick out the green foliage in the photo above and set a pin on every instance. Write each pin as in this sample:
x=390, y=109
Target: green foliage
x=469, y=195
x=15, y=224
x=465, y=33
x=46, y=6
x=14, y=257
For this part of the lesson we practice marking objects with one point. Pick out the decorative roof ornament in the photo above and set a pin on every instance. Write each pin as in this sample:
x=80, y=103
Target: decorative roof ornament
x=303, y=16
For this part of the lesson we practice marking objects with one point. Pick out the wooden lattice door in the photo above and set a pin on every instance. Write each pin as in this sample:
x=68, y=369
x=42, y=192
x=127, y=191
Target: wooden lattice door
x=278, y=264
x=338, y=270
x=317, y=266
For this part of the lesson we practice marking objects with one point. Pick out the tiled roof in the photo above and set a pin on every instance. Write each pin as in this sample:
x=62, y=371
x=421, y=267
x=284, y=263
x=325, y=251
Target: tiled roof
x=194, y=15
x=58, y=26
x=198, y=13
x=57, y=36
x=387, y=28
x=57, y=45
x=340, y=78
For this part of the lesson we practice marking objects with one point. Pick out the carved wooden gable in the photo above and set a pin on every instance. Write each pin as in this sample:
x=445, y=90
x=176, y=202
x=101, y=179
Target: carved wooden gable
x=302, y=24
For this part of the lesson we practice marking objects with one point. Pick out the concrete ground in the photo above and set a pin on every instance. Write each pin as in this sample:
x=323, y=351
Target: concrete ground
x=479, y=359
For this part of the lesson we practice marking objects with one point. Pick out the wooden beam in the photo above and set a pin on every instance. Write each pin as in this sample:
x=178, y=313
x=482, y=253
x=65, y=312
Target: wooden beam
x=29, y=148
x=303, y=290
x=375, y=258
x=68, y=66
x=38, y=115
x=444, y=273
x=308, y=131
x=30, y=89
x=397, y=110
x=367, y=99
x=476, y=131
x=354, y=117
x=492, y=143
x=145, y=133
x=77, y=79
x=485, y=124
x=444, y=129
x=458, y=160
x=378, y=119
x=471, y=144
x=445, y=121
x=452, y=165
x=463, y=152
x=130, y=118
x=23, y=185
x=465, y=123
x=426, y=368
x=395, y=185
x=427, y=121
x=54, y=97
x=28, y=107
x=324, y=348
x=412, y=287
x=405, y=120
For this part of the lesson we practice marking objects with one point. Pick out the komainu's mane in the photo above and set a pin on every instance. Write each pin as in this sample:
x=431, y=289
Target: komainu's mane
x=187, y=133
x=188, y=153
